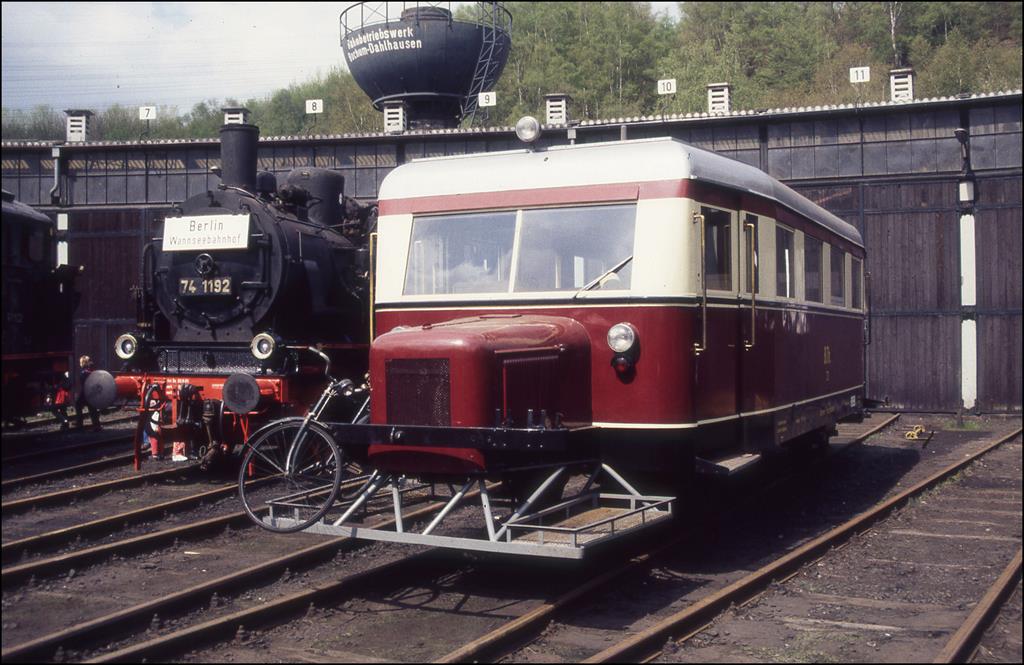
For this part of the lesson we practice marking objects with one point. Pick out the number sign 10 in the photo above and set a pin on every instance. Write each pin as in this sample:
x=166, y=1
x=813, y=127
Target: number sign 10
x=667, y=87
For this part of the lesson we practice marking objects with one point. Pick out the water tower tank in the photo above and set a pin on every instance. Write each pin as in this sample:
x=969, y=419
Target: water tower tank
x=420, y=54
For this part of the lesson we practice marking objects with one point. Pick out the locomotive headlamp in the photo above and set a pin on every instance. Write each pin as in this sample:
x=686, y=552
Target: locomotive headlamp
x=263, y=346
x=528, y=129
x=125, y=346
x=621, y=337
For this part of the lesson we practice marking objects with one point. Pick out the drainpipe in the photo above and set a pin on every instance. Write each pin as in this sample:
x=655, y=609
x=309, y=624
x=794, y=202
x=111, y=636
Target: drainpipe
x=55, y=190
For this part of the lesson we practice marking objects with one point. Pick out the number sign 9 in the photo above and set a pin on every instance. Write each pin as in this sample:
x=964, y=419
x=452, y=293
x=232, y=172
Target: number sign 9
x=487, y=99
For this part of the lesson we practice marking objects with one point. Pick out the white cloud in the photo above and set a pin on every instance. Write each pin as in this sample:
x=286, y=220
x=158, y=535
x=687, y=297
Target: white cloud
x=93, y=55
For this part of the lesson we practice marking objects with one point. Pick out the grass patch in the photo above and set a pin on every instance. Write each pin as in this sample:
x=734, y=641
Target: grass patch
x=969, y=424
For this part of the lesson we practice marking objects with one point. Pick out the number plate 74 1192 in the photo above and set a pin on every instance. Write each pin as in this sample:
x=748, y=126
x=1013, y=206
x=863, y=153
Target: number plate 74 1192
x=217, y=286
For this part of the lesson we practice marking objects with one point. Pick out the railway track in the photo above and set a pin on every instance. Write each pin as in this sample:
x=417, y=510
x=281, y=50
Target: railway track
x=18, y=549
x=64, y=472
x=962, y=644
x=226, y=626
x=129, y=619
x=242, y=622
x=73, y=494
x=647, y=645
x=113, y=439
x=47, y=421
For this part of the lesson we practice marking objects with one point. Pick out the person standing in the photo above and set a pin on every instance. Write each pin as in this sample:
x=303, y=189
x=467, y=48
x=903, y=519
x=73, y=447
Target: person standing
x=85, y=369
x=60, y=401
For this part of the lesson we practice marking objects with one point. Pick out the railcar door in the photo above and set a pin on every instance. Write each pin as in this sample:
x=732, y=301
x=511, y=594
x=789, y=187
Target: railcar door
x=718, y=343
x=753, y=371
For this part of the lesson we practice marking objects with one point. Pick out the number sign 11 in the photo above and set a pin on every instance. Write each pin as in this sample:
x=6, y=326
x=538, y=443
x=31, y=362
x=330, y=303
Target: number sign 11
x=860, y=74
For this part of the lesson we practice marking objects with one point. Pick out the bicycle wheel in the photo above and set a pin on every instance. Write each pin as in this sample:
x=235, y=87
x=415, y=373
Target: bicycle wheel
x=299, y=476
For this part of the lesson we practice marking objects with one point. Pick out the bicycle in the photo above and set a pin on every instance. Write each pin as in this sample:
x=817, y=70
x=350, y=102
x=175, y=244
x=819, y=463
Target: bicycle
x=296, y=461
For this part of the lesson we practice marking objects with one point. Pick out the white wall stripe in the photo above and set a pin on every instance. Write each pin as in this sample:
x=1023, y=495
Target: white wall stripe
x=968, y=328
x=968, y=269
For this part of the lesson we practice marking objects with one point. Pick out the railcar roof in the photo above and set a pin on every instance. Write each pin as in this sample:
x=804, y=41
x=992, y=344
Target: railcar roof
x=13, y=208
x=597, y=164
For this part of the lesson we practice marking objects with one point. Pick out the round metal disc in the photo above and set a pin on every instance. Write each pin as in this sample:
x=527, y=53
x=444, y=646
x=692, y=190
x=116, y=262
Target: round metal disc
x=100, y=389
x=241, y=393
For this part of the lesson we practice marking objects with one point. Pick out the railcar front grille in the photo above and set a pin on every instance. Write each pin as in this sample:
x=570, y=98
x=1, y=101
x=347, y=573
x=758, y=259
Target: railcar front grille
x=418, y=391
x=529, y=382
x=207, y=361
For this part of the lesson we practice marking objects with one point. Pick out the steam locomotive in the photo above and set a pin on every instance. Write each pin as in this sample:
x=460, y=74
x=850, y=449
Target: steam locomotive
x=38, y=301
x=249, y=296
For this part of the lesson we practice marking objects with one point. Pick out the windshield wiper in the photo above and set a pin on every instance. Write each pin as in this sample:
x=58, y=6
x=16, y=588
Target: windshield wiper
x=597, y=280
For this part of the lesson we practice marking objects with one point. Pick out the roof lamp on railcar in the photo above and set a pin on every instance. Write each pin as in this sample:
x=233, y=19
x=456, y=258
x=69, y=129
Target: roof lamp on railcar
x=125, y=346
x=263, y=346
x=528, y=129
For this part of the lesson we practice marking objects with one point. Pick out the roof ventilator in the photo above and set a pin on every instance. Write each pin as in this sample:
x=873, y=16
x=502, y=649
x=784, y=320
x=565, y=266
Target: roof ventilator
x=718, y=97
x=556, y=109
x=78, y=129
x=396, y=119
x=901, y=84
x=236, y=115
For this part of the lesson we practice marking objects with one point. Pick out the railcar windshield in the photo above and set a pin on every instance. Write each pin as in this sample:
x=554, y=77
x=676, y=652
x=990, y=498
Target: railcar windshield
x=526, y=251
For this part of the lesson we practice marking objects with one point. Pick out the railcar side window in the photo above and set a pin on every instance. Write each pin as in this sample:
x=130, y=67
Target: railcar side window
x=36, y=245
x=812, y=269
x=750, y=245
x=838, y=271
x=855, y=286
x=785, y=264
x=470, y=253
x=564, y=249
x=717, y=249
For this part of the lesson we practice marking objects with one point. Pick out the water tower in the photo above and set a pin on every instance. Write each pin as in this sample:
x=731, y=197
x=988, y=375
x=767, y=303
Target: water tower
x=419, y=64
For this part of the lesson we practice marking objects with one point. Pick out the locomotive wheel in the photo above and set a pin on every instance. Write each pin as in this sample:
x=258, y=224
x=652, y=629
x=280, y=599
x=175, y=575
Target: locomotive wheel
x=306, y=468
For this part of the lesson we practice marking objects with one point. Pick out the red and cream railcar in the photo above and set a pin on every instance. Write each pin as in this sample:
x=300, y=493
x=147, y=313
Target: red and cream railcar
x=656, y=303
x=629, y=311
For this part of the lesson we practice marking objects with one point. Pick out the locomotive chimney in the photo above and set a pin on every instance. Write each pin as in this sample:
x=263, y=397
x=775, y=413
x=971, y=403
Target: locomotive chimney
x=238, y=146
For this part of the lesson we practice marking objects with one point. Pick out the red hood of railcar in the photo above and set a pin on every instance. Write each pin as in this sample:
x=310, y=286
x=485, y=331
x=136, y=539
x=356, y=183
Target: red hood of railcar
x=486, y=333
x=510, y=370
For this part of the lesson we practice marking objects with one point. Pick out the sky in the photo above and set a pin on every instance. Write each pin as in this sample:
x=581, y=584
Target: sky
x=95, y=54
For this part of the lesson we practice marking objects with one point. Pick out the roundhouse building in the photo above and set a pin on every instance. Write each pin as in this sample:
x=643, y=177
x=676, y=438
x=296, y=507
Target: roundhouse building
x=933, y=185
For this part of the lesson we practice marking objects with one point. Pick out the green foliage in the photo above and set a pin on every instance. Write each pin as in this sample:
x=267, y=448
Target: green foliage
x=41, y=123
x=598, y=53
x=609, y=55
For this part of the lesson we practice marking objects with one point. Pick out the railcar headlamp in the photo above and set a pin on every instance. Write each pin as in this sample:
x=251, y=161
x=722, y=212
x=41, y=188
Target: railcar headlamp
x=621, y=337
x=125, y=346
x=263, y=346
x=528, y=129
